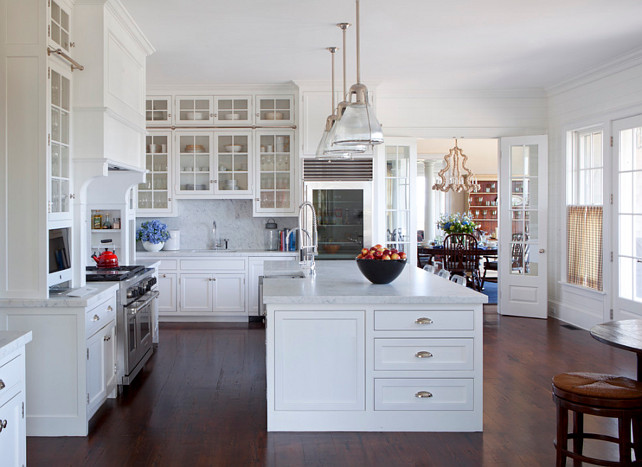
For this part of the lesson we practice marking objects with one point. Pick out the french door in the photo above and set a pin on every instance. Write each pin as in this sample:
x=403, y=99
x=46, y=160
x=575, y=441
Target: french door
x=523, y=188
x=627, y=270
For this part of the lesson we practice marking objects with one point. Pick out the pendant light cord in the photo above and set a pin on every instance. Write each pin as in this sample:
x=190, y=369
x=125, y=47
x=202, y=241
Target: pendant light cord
x=332, y=51
x=358, y=47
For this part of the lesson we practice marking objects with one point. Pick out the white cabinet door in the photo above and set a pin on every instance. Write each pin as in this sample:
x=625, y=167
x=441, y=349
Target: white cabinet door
x=274, y=110
x=155, y=194
x=95, y=373
x=158, y=110
x=109, y=357
x=194, y=110
x=196, y=292
x=194, y=164
x=229, y=293
x=319, y=360
x=276, y=190
x=233, y=110
x=12, y=435
x=167, y=290
x=233, y=164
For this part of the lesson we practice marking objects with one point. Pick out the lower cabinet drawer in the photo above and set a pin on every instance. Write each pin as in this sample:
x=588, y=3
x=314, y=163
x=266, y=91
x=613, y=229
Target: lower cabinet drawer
x=100, y=315
x=423, y=354
x=11, y=374
x=424, y=320
x=423, y=394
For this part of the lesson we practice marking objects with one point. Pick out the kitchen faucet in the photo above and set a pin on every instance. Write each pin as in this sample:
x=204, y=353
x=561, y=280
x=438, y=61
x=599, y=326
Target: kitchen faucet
x=308, y=245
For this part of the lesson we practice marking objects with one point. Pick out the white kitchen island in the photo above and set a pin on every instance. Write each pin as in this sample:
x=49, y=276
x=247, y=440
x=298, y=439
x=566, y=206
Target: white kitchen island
x=347, y=355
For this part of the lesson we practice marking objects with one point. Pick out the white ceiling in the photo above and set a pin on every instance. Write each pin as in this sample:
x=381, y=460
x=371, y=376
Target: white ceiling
x=423, y=44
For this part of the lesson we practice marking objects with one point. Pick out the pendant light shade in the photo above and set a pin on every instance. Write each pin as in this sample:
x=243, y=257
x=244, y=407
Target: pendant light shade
x=358, y=125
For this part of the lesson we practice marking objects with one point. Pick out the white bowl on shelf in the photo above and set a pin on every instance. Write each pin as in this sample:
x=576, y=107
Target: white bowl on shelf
x=273, y=115
x=232, y=116
x=233, y=147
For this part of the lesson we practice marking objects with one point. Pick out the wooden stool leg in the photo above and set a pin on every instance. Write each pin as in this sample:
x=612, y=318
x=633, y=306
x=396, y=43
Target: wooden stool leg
x=562, y=435
x=624, y=433
x=578, y=431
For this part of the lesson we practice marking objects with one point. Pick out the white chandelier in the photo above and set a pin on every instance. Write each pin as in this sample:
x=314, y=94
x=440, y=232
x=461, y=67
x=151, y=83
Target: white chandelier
x=456, y=176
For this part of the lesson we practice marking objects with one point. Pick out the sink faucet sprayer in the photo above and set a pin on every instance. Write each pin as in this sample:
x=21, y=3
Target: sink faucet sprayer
x=308, y=244
x=216, y=243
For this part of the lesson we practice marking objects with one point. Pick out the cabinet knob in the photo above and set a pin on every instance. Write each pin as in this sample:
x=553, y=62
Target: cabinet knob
x=423, y=321
x=423, y=354
x=163, y=276
x=109, y=308
x=211, y=115
x=423, y=394
x=96, y=318
x=542, y=250
x=3, y=425
x=257, y=199
x=257, y=114
x=107, y=338
x=2, y=385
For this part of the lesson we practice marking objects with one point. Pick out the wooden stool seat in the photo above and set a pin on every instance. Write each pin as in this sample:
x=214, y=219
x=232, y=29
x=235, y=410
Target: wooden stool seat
x=600, y=395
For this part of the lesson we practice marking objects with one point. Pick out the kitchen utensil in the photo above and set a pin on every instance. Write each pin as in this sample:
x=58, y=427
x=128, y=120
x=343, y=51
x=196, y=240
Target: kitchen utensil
x=107, y=259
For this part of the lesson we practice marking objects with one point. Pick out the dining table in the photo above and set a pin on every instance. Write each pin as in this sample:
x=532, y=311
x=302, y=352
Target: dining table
x=431, y=251
x=624, y=334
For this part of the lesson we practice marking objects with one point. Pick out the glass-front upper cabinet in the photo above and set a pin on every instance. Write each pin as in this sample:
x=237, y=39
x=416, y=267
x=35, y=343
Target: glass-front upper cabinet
x=233, y=110
x=59, y=144
x=194, y=164
x=59, y=26
x=158, y=110
x=234, y=164
x=274, y=110
x=154, y=194
x=275, y=173
x=194, y=110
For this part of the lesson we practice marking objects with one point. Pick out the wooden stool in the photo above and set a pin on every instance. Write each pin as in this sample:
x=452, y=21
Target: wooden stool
x=603, y=396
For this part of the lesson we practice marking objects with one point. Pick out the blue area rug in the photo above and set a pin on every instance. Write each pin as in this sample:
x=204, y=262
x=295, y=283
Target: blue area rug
x=490, y=289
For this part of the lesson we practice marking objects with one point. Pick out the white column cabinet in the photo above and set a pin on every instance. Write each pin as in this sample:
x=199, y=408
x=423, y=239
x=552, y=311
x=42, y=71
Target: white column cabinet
x=276, y=191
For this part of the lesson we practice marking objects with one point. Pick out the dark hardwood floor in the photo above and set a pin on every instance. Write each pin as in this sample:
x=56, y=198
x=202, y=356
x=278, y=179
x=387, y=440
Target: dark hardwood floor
x=201, y=401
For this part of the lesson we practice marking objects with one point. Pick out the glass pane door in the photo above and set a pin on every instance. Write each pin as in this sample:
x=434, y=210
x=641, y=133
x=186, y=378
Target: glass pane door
x=233, y=162
x=60, y=140
x=398, y=198
x=340, y=219
x=629, y=218
x=194, y=163
x=154, y=192
x=276, y=189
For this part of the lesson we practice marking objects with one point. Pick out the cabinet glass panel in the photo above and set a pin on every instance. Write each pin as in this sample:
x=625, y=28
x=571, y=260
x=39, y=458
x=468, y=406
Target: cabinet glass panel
x=232, y=109
x=59, y=26
x=523, y=210
x=340, y=222
x=194, y=110
x=59, y=155
x=157, y=109
x=153, y=193
x=275, y=174
x=398, y=197
x=233, y=162
x=275, y=109
x=194, y=163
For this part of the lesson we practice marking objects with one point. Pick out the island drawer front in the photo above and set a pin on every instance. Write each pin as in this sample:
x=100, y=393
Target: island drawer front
x=424, y=394
x=423, y=354
x=424, y=320
x=11, y=374
x=100, y=315
x=168, y=264
x=219, y=264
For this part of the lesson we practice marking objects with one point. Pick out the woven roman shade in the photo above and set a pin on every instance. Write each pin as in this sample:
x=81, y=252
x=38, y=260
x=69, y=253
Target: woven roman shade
x=584, y=245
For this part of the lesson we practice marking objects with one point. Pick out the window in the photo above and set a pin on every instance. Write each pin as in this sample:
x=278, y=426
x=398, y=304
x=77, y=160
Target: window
x=584, y=194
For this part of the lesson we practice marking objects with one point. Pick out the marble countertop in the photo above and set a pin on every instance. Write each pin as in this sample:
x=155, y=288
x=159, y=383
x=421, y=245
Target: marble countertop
x=99, y=291
x=338, y=282
x=12, y=340
x=197, y=252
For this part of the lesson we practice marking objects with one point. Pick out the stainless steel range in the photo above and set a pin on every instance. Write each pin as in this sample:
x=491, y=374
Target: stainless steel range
x=136, y=294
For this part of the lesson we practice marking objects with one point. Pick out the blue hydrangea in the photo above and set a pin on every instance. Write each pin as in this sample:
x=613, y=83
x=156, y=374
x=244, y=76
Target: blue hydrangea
x=457, y=223
x=152, y=232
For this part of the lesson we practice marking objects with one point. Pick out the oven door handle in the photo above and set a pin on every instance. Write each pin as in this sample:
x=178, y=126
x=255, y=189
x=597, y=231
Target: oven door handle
x=135, y=309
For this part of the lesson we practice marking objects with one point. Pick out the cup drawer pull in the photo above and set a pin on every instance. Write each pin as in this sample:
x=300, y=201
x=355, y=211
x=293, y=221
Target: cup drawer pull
x=423, y=321
x=423, y=394
x=423, y=354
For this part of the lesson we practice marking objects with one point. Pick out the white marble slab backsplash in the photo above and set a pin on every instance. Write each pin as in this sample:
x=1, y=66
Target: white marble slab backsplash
x=233, y=218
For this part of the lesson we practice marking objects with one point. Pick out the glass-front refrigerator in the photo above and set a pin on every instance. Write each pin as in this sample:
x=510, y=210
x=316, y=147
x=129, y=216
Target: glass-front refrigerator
x=344, y=217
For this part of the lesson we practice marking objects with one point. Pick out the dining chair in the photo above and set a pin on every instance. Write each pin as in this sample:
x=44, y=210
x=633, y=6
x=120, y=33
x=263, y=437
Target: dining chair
x=444, y=273
x=490, y=264
x=461, y=280
x=430, y=268
x=461, y=256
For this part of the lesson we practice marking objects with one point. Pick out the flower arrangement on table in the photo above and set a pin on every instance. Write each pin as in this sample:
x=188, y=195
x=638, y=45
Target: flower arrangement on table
x=457, y=223
x=153, y=234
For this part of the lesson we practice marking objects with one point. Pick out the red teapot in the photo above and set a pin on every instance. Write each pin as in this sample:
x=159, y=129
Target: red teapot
x=107, y=259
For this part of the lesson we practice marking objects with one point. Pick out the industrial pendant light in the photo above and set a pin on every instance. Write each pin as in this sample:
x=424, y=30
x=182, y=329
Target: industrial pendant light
x=325, y=150
x=358, y=125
